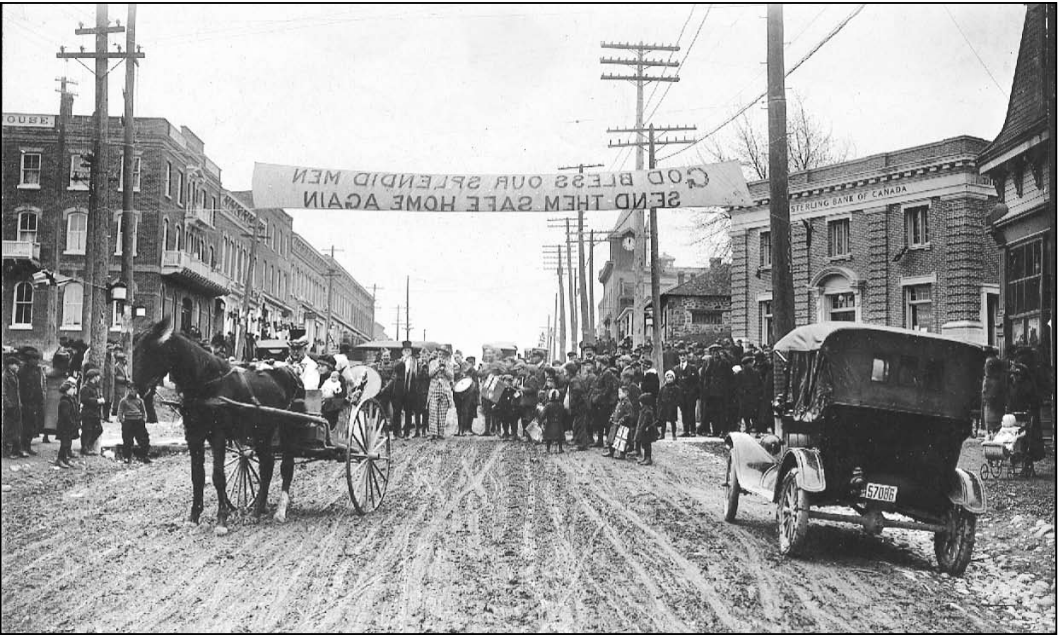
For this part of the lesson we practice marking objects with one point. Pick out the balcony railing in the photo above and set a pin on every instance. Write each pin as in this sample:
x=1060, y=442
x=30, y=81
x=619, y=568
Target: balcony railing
x=177, y=262
x=201, y=216
x=26, y=250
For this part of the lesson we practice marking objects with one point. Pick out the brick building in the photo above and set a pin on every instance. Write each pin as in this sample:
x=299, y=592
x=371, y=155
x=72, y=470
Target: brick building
x=893, y=239
x=1021, y=164
x=193, y=239
x=699, y=308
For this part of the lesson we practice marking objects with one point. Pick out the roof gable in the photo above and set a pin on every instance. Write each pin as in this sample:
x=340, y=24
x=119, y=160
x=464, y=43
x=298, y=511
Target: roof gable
x=713, y=282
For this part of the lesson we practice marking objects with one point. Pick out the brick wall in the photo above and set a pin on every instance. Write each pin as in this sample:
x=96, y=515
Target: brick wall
x=679, y=314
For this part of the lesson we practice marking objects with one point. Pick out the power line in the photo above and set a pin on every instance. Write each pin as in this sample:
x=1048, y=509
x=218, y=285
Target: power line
x=807, y=56
x=682, y=62
x=970, y=45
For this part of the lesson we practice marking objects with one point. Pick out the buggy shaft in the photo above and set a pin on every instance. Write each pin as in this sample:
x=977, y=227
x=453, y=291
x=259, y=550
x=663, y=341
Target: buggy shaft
x=278, y=412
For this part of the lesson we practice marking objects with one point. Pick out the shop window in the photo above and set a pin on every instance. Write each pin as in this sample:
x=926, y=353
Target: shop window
x=916, y=220
x=30, y=174
x=22, y=314
x=837, y=235
x=918, y=302
x=1024, y=270
x=76, y=225
x=707, y=317
x=73, y=300
x=765, y=249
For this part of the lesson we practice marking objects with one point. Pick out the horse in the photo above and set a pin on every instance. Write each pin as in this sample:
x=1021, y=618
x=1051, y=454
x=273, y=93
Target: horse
x=201, y=378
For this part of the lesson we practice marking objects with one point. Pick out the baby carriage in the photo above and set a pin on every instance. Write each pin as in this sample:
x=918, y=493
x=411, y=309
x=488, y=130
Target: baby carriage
x=1007, y=453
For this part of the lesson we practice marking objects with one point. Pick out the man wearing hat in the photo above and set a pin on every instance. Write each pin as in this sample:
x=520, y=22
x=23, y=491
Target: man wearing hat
x=687, y=380
x=303, y=364
x=12, y=409
x=121, y=379
x=91, y=407
x=587, y=349
x=403, y=393
x=717, y=387
x=31, y=391
x=749, y=392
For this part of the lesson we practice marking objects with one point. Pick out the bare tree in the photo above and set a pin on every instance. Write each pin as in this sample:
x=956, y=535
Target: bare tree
x=811, y=144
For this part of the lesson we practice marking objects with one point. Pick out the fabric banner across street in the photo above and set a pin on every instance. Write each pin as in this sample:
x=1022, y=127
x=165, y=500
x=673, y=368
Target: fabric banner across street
x=299, y=187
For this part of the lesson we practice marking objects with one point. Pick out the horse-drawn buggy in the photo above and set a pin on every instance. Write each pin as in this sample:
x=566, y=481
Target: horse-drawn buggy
x=250, y=416
x=871, y=419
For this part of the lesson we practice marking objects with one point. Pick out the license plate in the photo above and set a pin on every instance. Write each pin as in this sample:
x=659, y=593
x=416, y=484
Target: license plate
x=880, y=492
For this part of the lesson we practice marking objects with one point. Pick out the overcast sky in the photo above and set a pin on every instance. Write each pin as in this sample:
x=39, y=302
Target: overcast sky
x=507, y=88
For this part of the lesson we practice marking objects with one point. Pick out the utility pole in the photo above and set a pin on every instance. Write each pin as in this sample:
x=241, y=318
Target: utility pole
x=328, y=311
x=571, y=288
x=782, y=309
x=66, y=110
x=640, y=63
x=408, y=326
x=372, y=323
x=590, y=292
x=128, y=214
x=560, y=291
x=583, y=305
x=248, y=284
x=97, y=251
x=553, y=337
x=398, y=316
x=653, y=230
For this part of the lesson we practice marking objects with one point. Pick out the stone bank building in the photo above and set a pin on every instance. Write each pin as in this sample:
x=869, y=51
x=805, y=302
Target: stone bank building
x=894, y=239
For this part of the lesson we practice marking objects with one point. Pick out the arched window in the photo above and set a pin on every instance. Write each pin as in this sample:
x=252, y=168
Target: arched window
x=22, y=316
x=27, y=225
x=165, y=234
x=76, y=224
x=213, y=261
x=73, y=298
x=178, y=238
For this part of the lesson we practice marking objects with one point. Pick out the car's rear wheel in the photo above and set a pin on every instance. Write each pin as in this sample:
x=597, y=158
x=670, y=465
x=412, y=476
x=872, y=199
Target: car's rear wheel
x=733, y=490
x=954, y=546
x=792, y=516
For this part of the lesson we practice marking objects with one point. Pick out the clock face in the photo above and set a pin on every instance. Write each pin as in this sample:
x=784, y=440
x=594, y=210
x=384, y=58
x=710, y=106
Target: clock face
x=628, y=243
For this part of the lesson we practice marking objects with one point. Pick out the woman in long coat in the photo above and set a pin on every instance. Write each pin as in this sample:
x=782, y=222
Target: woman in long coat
x=440, y=394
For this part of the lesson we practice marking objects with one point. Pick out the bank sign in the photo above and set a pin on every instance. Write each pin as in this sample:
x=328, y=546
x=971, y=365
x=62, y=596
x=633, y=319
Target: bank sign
x=845, y=200
x=39, y=121
x=296, y=187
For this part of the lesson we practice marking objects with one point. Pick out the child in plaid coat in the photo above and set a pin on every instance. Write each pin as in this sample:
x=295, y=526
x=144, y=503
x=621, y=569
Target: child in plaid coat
x=622, y=417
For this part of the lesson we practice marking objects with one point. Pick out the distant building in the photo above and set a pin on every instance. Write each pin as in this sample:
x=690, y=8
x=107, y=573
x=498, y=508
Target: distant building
x=699, y=308
x=380, y=333
x=894, y=239
x=1021, y=164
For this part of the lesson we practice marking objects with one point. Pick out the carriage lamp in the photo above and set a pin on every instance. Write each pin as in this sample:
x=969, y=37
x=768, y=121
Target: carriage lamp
x=139, y=311
x=119, y=292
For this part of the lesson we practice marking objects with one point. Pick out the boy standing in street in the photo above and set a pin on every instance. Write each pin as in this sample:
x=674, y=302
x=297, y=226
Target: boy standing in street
x=131, y=414
x=91, y=407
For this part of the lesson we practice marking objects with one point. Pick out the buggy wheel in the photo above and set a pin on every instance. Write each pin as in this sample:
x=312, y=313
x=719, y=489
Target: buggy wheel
x=368, y=457
x=792, y=516
x=241, y=475
x=954, y=547
x=733, y=490
x=985, y=472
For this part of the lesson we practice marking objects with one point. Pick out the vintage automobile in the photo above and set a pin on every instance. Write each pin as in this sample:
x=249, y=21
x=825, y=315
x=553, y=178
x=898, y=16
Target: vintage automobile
x=873, y=419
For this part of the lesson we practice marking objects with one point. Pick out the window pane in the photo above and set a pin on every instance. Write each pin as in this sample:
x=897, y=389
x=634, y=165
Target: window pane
x=1016, y=263
x=879, y=370
x=72, y=301
x=1032, y=294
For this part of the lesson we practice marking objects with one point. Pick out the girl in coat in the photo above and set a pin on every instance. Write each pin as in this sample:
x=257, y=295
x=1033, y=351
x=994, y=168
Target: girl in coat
x=553, y=419
x=667, y=407
x=66, y=426
x=622, y=417
x=646, y=432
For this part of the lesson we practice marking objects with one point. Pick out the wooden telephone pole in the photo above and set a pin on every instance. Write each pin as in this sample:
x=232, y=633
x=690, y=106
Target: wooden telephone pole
x=128, y=213
x=782, y=307
x=583, y=303
x=658, y=316
x=640, y=64
x=97, y=248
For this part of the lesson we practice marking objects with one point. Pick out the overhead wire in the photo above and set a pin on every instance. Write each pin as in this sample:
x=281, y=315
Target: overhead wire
x=806, y=57
x=977, y=55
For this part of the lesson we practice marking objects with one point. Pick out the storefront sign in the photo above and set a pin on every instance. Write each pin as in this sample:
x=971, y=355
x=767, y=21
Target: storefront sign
x=43, y=121
x=283, y=186
x=855, y=199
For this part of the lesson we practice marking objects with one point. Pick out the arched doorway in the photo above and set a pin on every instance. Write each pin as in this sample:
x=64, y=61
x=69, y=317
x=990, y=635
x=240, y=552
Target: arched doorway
x=838, y=294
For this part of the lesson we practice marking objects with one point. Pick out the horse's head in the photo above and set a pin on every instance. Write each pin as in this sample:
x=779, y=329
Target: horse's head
x=151, y=359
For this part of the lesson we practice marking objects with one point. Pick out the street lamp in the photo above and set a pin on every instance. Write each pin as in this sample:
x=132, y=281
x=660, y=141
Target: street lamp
x=139, y=311
x=119, y=292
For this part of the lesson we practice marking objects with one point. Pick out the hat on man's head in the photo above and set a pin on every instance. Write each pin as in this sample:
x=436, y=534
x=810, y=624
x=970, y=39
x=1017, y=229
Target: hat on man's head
x=92, y=373
x=301, y=342
x=715, y=346
x=748, y=358
x=407, y=344
x=8, y=360
x=29, y=352
x=573, y=353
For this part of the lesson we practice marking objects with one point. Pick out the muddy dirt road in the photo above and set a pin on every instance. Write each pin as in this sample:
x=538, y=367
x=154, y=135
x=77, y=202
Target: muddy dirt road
x=475, y=534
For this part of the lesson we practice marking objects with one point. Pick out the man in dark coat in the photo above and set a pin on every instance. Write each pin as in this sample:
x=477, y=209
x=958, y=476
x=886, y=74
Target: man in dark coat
x=12, y=409
x=31, y=390
x=717, y=386
x=749, y=393
x=402, y=392
x=671, y=356
x=91, y=409
x=687, y=379
x=603, y=397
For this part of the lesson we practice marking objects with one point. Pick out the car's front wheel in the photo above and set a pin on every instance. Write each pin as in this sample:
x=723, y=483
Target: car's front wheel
x=954, y=546
x=733, y=490
x=792, y=515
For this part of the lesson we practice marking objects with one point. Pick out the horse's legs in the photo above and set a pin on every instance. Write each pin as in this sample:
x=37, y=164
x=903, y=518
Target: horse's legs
x=264, y=450
x=198, y=456
x=287, y=471
x=217, y=446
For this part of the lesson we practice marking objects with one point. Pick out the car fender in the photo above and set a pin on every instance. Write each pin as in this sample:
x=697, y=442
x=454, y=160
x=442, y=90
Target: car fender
x=967, y=491
x=754, y=465
x=808, y=464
